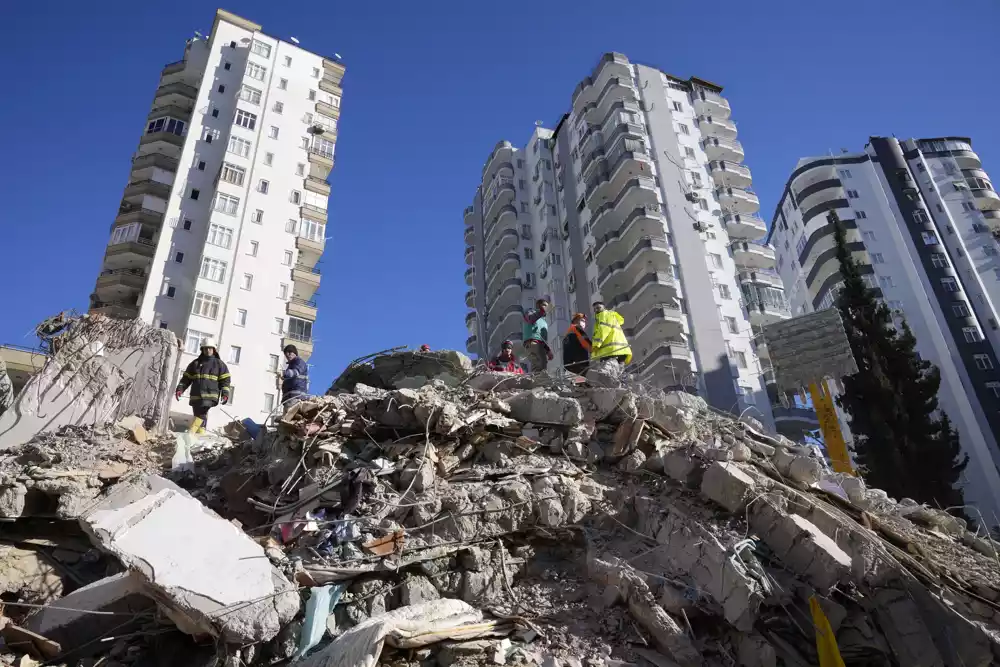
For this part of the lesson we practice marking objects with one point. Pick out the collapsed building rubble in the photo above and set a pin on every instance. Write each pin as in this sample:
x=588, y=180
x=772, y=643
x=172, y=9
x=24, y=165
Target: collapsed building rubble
x=440, y=516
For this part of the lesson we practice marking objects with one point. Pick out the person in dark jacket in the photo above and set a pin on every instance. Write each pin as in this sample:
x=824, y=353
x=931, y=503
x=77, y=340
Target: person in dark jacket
x=505, y=362
x=295, y=379
x=576, y=346
x=208, y=378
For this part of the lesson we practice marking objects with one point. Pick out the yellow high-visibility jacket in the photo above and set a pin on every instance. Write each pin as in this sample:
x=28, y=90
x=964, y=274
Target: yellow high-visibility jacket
x=609, y=338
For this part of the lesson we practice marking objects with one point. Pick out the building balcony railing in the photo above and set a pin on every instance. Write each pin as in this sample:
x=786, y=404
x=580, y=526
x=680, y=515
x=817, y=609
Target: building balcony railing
x=711, y=104
x=302, y=308
x=177, y=88
x=148, y=187
x=154, y=160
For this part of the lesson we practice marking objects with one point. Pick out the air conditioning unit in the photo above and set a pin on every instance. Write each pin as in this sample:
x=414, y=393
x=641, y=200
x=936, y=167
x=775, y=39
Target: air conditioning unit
x=692, y=197
x=700, y=226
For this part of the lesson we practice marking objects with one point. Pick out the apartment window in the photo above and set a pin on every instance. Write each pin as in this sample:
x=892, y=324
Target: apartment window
x=254, y=246
x=166, y=124
x=960, y=309
x=300, y=329
x=257, y=216
x=844, y=173
x=877, y=258
x=948, y=284
x=201, y=165
x=716, y=260
x=524, y=207
x=886, y=281
x=287, y=258
x=192, y=341
x=205, y=305
x=233, y=174
x=263, y=186
x=312, y=95
x=290, y=226
x=300, y=169
x=852, y=194
x=983, y=362
x=260, y=48
x=268, y=159
x=239, y=146
x=994, y=387
x=234, y=354
x=741, y=359
x=938, y=260
x=272, y=363
x=220, y=236
x=179, y=258
x=732, y=325
x=528, y=253
x=971, y=334
x=683, y=128
x=678, y=106
x=246, y=119
x=241, y=317
x=556, y=259
x=195, y=193
x=273, y=132
x=980, y=228
x=968, y=206
x=279, y=326
x=801, y=245
x=869, y=281
x=213, y=269
x=552, y=209
x=255, y=71
x=323, y=146
x=868, y=236
x=268, y=402
x=860, y=215
x=187, y=225
x=279, y=107
x=163, y=324
x=929, y=238
x=315, y=72
x=171, y=292
x=283, y=84
x=248, y=94
x=221, y=88
x=724, y=292
x=228, y=66
x=295, y=197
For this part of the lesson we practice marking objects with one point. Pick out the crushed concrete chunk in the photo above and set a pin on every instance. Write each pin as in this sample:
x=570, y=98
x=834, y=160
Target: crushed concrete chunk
x=727, y=485
x=545, y=407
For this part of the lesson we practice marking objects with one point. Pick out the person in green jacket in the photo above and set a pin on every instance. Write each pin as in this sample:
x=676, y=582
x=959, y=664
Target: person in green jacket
x=535, y=334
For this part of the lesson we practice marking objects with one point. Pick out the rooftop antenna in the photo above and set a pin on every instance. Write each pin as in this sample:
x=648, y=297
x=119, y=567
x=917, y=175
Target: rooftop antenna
x=294, y=40
x=199, y=35
x=538, y=123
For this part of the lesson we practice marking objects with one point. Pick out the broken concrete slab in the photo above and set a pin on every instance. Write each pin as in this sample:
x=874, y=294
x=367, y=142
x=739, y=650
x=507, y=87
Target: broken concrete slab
x=727, y=485
x=27, y=576
x=800, y=544
x=209, y=577
x=545, y=407
x=498, y=381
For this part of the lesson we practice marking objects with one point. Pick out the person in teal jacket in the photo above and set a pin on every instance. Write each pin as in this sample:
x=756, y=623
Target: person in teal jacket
x=535, y=334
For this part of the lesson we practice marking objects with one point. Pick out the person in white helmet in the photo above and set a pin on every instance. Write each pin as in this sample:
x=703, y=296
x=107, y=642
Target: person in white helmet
x=208, y=377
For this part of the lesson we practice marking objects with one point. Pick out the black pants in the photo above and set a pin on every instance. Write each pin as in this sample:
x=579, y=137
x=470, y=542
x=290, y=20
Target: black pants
x=578, y=367
x=201, y=411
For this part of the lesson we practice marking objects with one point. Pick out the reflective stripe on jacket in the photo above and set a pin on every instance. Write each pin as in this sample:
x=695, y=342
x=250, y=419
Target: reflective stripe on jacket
x=208, y=378
x=295, y=379
x=609, y=338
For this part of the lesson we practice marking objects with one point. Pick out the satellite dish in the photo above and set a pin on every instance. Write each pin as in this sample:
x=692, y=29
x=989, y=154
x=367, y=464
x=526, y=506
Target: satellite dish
x=294, y=40
x=337, y=56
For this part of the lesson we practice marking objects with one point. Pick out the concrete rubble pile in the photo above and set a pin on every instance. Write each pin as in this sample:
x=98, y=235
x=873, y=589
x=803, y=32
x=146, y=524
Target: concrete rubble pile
x=424, y=513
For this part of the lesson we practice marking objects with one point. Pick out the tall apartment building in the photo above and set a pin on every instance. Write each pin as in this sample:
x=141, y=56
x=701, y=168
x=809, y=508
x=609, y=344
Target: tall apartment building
x=920, y=216
x=223, y=219
x=637, y=198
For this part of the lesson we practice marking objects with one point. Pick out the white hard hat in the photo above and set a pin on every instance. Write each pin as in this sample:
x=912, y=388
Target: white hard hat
x=208, y=342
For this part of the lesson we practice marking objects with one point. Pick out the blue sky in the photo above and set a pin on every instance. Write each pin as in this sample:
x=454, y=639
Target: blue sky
x=430, y=88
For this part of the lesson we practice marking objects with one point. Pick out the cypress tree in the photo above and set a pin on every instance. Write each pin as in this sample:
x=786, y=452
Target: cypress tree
x=902, y=443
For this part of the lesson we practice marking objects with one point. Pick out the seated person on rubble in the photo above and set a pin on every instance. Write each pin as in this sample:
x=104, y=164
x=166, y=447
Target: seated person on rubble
x=505, y=362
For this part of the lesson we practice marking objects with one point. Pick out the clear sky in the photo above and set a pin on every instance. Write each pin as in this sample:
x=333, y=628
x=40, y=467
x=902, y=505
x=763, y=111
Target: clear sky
x=430, y=88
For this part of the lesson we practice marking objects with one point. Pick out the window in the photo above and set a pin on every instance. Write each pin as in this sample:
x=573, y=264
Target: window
x=732, y=325
x=312, y=95
x=877, y=258
x=283, y=291
x=844, y=173
x=233, y=174
x=300, y=329
x=234, y=354
x=683, y=128
x=801, y=245
x=990, y=250
x=295, y=197
x=247, y=282
x=201, y=165
x=239, y=146
x=741, y=359
x=852, y=194
x=278, y=107
x=268, y=402
x=192, y=341
x=921, y=168
x=983, y=362
x=323, y=146
x=929, y=238
x=938, y=260
x=263, y=186
x=968, y=206
x=279, y=326
x=919, y=217
x=248, y=94
x=221, y=88
x=971, y=334
x=287, y=258
x=179, y=258
x=868, y=236
x=220, y=236
x=166, y=124
x=886, y=281
x=980, y=228
x=724, y=292
x=528, y=253
x=860, y=215
x=268, y=159
x=228, y=66
x=315, y=72
x=205, y=305
x=272, y=363
x=960, y=309
x=163, y=324
x=257, y=216
x=246, y=119
x=195, y=193
x=241, y=317
x=171, y=292
x=869, y=281
x=300, y=169
x=688, y=152
x=283, y=84
x=716, y=260
x=273, y=132
x=290, y=226
x=260, y=48
x=948, y=284
x=187, y=225
x=254, y=246
x=213, y=269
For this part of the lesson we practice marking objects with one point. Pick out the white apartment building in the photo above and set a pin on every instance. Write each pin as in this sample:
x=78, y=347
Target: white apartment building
x=920, y=217
x=223, y=220
x=649, y=209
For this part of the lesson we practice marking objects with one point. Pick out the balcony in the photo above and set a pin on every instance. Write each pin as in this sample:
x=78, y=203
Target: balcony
x=664, y=321
x=637, y=193
x=119, y=309
x=303, y=308
x=174, y=93
x=470, y=320
x=763, y=311
x=502, y=152
x=146, y=216
x=752, y=255
x=502, y=222
x=470, y=235
x=470, y=298
x=161, y=138
x=794, y=419
x=668, y=364
x=759, y=346
x=317, y=185
x=711, y=104
x=505, y=295
x=643, y=222
x=305, y=281
x=730, y=173
x=749, y=226
x=626, y=161
x=472, y=346
x=151, y=160
x=469, y=210
x=333, y=71
x=986, y=199
x=310, y=249
x=738, y=200
x=649, y=254
x=617, y=89
x=314, y=213
x=611, y=65
x=304, y=344
x=723, y=149
x=150, y=187
x=141, y=247
x=506, y=268
x=649, y=289
x=713, y=126
x=327, y=109
x=767, y=277
x=331, y=85
x=470, y=276
x=470, y=254
x=506, y=324
x=506, y=242
x=119, y=281
x=500, y=193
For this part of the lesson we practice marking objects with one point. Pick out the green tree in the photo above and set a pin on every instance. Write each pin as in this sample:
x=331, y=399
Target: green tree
x=902, y=443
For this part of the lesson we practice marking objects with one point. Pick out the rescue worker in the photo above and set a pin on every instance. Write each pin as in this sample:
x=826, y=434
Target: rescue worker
x=425, y=348
x=576, y=345
x=505, y=362
x=609, y=340
x=208, y=378
x=535, y=334
x=295, y=378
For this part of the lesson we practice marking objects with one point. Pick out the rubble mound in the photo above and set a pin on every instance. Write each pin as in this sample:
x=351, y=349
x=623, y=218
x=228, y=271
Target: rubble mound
x=459, y=520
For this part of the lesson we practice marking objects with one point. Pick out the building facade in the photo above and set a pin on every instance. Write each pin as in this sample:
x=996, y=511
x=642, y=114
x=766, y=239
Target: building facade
x=223, y=220
x=920, y=217
x=648, y=208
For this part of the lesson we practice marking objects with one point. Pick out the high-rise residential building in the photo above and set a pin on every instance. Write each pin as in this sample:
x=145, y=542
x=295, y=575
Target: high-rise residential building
x=223, y=219
x=637, y=198
x=920, y=217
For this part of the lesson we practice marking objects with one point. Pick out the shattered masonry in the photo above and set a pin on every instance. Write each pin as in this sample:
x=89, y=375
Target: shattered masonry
x=423, y=513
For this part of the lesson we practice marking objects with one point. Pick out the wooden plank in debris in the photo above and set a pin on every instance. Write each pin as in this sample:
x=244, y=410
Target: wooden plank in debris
x=32, y=643
x=627, y=436
x=383, y=546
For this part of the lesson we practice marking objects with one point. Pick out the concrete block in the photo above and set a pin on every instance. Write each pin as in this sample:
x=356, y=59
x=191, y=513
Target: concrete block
x=497, y=381
x=813, y=555
x=545, y=407
x=209, y=577
x=727, y=485
x=680, y=465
